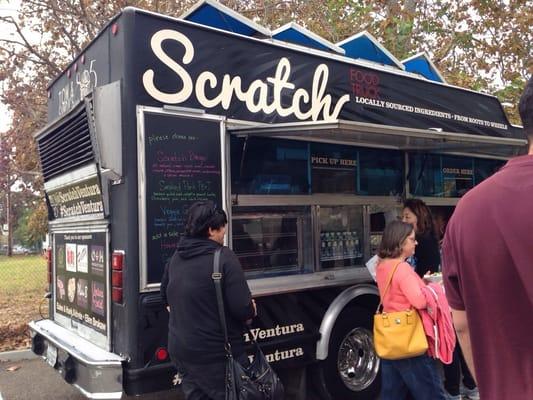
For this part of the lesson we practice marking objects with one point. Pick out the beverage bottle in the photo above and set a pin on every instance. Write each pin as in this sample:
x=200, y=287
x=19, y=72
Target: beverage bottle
x=356, y=244
x=346, y=246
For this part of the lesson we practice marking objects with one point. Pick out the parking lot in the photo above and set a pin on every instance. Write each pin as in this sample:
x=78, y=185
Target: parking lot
x=34, y=379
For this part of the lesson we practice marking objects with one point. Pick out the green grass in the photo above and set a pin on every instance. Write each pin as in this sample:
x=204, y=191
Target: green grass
x=23, y=282
x=22, y=274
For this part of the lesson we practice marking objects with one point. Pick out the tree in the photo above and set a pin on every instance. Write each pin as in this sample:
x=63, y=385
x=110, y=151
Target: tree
x=31, y=230
x=477, y=44
x=37, y=223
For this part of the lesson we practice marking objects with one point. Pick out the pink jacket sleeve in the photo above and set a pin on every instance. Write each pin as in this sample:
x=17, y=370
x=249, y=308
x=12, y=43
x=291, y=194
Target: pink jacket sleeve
x=410, y=287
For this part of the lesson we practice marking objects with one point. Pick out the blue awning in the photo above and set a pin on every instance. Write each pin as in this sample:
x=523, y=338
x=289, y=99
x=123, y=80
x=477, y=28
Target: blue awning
x=422, y=64
x=297, y=34
x=212, y=13
x=364, y=46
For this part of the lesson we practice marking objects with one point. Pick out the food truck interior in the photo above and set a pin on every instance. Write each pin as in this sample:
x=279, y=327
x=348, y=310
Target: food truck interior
x=335, y=185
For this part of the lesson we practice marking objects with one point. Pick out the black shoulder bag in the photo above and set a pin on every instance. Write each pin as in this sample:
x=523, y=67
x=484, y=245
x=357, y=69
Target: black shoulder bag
x=258, y=381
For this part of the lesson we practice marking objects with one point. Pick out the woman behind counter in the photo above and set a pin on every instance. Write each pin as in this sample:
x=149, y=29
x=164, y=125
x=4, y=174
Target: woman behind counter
x=195, y=338
x=418, y=375
x=427, y=256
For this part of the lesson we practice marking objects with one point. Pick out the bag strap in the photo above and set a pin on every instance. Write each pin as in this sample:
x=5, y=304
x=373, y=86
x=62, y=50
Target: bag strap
x=217, y=279
x=389, y=282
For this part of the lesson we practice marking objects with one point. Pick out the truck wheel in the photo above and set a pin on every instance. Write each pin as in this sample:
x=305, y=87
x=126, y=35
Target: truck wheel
x=351, y=370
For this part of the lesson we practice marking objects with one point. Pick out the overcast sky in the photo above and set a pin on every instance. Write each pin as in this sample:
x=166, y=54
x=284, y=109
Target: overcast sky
x=6, y=8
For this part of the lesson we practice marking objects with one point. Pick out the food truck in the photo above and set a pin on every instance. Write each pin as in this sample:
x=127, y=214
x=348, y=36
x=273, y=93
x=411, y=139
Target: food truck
x=308, y=147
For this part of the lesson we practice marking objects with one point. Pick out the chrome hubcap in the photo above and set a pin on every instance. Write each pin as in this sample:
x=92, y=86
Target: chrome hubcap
x=357, y=362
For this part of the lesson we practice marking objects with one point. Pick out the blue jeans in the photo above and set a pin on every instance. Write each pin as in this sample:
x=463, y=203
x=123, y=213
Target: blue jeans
x=419, y=375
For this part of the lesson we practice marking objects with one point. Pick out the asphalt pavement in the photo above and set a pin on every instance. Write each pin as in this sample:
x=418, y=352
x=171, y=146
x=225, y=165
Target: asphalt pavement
x=24, y=376
x=33, y=379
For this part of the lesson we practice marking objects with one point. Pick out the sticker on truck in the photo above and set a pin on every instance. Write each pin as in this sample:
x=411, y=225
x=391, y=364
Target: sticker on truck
x=80, y=279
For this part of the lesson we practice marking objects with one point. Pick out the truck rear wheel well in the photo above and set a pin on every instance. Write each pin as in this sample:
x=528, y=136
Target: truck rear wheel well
x=364, y=295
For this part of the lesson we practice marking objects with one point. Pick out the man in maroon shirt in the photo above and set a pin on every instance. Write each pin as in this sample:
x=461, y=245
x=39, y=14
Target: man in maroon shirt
x=488, y=274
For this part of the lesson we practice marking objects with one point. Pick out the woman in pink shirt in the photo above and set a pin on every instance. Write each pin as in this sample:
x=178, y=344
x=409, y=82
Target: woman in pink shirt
x=418, y=375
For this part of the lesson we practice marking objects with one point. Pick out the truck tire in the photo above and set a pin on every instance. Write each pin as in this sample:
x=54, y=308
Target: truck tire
x=351, y=370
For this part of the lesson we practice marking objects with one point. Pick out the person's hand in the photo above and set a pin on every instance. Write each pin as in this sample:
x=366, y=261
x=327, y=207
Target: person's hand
x=249, y=321
x=168, y=308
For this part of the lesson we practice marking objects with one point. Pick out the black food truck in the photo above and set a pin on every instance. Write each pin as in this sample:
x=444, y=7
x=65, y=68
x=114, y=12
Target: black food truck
x=308, y=149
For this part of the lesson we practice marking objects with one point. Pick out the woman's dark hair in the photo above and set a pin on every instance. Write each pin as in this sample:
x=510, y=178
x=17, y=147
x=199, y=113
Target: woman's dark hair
x=394, y=235
x=203, y=215
x=424, y=224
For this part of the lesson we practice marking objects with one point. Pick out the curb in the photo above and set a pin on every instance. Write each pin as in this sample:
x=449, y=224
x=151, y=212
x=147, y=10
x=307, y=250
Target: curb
x=17, y=355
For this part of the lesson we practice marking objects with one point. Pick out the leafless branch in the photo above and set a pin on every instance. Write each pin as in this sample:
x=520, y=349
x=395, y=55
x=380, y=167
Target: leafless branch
x=13, y=42
x=28, y=46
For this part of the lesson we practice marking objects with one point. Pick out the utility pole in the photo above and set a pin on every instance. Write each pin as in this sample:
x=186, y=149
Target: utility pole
x=5, y=184
x=9, y=224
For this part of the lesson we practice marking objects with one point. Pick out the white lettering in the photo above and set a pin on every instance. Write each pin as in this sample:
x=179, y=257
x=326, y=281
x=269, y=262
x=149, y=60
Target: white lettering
x=229, y=86
x=255, y=97
x=303, y=96
x=273, y=332
x=98, y=324
x=280, y=82
x=284, y=354
x=148, y=77
x=205, y=77
x=369, y=101
x=66, y=98
x=86, y=80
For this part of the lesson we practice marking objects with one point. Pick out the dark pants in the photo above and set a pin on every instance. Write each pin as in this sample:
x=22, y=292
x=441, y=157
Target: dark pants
x=418, y=375
x=452, y=373
x=205, y=381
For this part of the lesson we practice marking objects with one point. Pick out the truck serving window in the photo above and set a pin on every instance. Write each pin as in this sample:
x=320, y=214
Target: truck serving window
x=266, y=166
x=483, y=168
x=341, y=236
x=436, y=175
x=270, y=240
x=380, y=172
x=331, y=160
x=279, y=166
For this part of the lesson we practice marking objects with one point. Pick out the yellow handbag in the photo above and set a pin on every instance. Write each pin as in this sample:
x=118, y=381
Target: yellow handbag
x=398, y=334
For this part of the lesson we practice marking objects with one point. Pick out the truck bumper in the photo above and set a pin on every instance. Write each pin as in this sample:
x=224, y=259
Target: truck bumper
x=94, y=371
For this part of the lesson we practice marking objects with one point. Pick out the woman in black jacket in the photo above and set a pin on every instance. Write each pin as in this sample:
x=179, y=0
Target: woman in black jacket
x=195, y=338
x=427, y=255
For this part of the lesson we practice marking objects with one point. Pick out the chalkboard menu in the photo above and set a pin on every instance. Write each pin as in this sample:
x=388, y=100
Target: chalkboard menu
x=182, y=166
